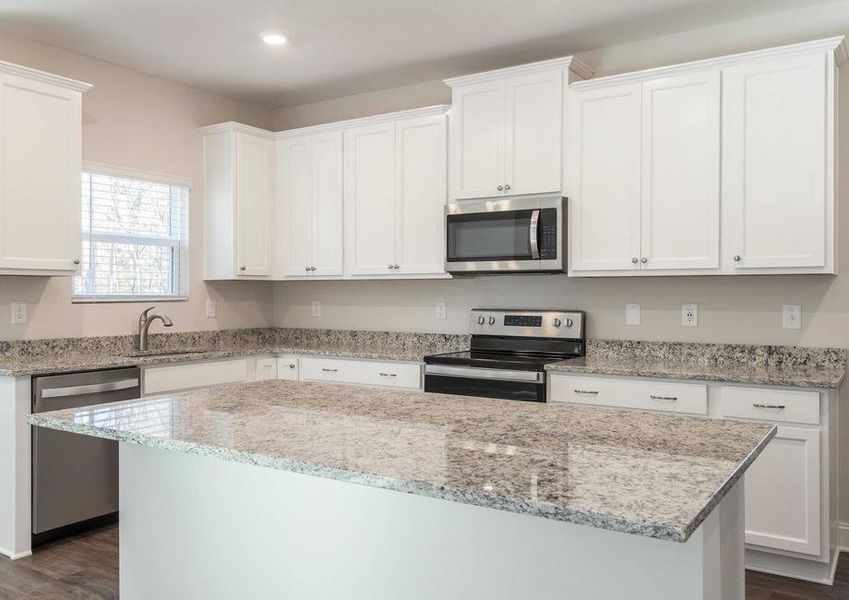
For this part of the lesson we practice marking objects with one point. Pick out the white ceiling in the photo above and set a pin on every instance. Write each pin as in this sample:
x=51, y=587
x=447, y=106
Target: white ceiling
x=341, y=47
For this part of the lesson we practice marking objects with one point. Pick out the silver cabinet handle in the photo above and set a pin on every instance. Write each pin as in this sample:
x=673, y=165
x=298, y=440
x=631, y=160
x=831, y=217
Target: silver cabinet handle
x=500, y=188
x=507, y=188
x=670, y=398
x=589, y=392
x=307, y=269
x=397, y=267
x=534, y=234
x=635, y=260
x=291, y=366
x=388, y=374
x=737, y=258
x=243, y=268
x=329, y=370
x=644, y=260
x=776, y=406
x=389, y=267
x=76, y=261
x=312, y=268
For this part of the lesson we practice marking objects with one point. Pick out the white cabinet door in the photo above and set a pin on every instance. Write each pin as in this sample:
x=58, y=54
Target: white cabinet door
x=477, y=140
x=420, y=190
x=783, y=493
x=604, y=178
x=254, y=189
x=295, y=161
x=39, y=175
x=774, y=162
x=370, y=199
x=680, y=172
x=327, y=234
x=534, y=133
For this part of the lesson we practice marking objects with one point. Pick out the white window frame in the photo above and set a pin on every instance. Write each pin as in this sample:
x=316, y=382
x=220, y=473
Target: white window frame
x=152, y=176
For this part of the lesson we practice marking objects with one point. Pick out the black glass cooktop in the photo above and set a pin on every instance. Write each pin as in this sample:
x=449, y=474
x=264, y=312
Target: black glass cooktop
x=494, y=360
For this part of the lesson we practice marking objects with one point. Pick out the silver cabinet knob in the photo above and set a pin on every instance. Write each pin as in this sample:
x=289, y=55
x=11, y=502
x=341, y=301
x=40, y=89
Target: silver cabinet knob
x=397, y=267
x=634, y=260
x=307, y=269
x=644, y=260
x=243, y=268
x=500, y=188
x=76, y=261
x=557, y=322
x=507, y=188
x=390, y=267
x=312, y=268
x=737, y=258
x=481, y=320
x=291, y=366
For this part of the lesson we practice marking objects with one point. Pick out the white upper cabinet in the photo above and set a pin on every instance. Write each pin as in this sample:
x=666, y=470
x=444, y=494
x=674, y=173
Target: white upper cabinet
x=310, y=205
x=680, y=172
x=370, y=198
x=40, y=163
x=395, y=193
x=507, y=129
x=239, y=175
x=604, y=178
x=778, y=162
x=719, y=166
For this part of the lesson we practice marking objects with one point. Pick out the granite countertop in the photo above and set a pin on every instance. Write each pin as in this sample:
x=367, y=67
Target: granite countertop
x=735, y=363
x=651, y=474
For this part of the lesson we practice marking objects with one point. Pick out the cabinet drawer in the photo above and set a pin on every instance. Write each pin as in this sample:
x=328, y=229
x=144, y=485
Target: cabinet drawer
x=644, y=394
x=403, y=375
x=266, y=368
x=785, y=406
x=287, y=367
x=181, y=377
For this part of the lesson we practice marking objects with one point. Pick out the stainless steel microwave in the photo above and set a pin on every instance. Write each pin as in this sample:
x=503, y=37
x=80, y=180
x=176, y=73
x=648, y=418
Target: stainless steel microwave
x=519, y=234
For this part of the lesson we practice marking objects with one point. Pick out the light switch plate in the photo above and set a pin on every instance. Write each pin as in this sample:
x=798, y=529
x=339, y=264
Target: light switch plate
x=19, y=313
x=316, y=308
x=791, y=316
x=690, y=315
x=441, y=311
x=210, y=308
x=632, y=314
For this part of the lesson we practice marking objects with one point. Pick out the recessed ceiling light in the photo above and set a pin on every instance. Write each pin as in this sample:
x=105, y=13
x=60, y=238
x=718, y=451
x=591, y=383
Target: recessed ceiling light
x=274, y=39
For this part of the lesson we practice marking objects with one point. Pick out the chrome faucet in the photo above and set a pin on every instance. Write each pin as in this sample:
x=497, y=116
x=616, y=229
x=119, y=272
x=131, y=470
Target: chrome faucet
x=144, y=326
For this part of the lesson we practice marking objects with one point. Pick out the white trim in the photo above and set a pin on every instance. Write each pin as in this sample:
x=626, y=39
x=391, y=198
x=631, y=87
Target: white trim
x=427, y=111
x=843, y=537
x=233, y=126
x=14, y=556
x=571, y=63
x=102, y=299
x=44, y=77
x=833, y=44
x=139, y=174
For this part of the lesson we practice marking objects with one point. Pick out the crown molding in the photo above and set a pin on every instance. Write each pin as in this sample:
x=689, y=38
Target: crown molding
x=571, y=63
x=233, y=126
x=44, y=77
x=427, y=111
x=832, y=44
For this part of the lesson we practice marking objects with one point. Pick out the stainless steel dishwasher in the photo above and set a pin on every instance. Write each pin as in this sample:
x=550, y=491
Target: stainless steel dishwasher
x=75, y=477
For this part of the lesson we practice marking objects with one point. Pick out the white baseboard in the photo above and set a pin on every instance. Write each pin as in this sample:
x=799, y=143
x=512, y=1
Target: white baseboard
x=843, y=542
x=14, y=556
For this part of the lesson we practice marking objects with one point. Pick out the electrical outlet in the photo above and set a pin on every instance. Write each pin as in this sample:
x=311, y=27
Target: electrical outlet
x=210, y=308
x=632, y=314
x=19, y=313
x=441, y=311
x=316, y=308
x=690, y=315
x=791, y=316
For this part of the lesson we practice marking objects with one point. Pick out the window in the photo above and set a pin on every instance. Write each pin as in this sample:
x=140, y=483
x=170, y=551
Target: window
x=134, y=236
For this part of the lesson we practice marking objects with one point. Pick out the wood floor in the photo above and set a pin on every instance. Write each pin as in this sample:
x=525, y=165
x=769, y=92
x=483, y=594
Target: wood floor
x=86, y=566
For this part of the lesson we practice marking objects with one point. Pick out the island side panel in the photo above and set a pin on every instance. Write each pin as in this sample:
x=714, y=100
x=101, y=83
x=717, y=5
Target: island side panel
x=200, y=527
x=15, y=467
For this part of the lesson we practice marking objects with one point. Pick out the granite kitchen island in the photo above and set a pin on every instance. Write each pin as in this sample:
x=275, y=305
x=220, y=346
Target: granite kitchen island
x=300, y=490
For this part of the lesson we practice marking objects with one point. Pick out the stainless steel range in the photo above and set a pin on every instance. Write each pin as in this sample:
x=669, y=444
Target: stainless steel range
x=508, y=354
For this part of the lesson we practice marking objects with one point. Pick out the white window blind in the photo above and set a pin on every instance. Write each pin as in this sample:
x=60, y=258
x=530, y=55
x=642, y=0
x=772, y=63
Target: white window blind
x=134, y=237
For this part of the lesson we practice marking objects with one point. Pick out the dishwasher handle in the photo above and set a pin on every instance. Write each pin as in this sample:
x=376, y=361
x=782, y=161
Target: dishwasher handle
x=93, y=388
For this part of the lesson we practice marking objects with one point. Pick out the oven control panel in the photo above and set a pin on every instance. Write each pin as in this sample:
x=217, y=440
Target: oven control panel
x=528, y=323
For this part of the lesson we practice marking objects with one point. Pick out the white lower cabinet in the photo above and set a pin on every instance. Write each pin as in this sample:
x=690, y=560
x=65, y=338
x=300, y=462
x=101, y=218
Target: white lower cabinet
x=788, y=489
x=170, y=378
x=363, y=372
x=266, y=368
x=287, y=367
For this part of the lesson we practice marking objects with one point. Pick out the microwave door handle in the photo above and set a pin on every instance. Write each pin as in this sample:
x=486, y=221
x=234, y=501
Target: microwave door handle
x=534, y=233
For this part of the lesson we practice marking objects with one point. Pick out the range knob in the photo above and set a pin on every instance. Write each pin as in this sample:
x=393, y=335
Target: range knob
x=557, y=322
x=491, y=320
x=568, y=322
x=481, y=320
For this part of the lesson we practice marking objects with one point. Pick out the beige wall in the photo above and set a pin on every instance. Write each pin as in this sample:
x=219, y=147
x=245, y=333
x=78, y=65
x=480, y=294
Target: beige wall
x=134, y=120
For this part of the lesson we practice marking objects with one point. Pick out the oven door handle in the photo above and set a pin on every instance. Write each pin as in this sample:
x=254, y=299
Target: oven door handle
x=479, y=373
x=534, y=234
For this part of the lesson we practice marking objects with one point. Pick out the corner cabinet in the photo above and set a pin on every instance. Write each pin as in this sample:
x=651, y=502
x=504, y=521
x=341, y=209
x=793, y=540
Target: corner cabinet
x=239, y=208
x=719, y=166
x=40, y=163
x=507, y=129
x=395, y=193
